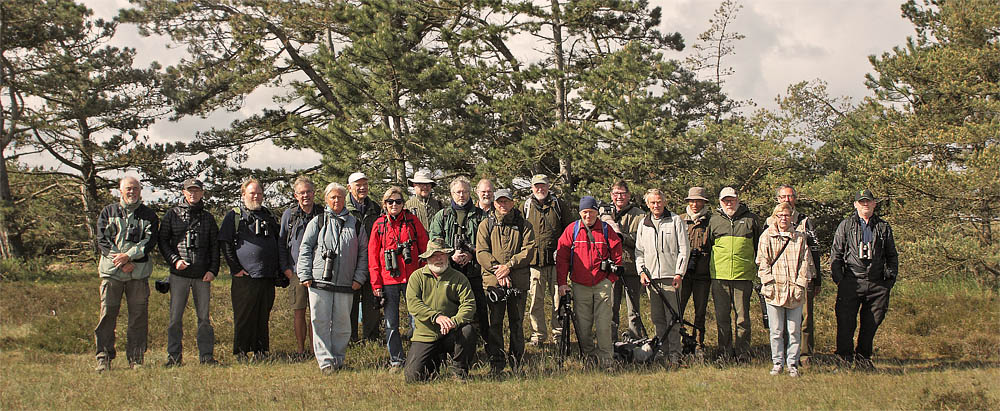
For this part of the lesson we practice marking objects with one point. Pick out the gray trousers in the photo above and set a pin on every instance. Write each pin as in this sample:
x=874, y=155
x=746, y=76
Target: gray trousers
x=331, y=318
x=201, y=292
x=730, y=296
x=137, y=297
x=592, y=306
x=662, y=317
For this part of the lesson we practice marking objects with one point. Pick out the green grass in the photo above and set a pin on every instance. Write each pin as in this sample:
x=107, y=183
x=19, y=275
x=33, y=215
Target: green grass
x=938, y=348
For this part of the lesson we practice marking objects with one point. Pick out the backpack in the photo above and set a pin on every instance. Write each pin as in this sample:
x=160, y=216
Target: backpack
x=572, y=246
x=555, y=203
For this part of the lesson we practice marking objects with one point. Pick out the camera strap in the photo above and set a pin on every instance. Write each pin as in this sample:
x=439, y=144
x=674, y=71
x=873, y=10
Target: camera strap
x=780, y=251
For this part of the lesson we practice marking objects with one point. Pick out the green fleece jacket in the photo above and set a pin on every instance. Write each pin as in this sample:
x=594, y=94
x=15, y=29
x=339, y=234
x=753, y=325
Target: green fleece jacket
x=428, y=296
x=734, y=244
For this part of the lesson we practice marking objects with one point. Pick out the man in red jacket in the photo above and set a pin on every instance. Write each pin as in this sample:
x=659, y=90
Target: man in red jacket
x=580, y=252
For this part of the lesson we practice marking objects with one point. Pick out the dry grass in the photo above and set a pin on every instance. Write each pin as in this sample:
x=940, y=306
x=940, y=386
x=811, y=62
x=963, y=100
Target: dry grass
x=939, y=348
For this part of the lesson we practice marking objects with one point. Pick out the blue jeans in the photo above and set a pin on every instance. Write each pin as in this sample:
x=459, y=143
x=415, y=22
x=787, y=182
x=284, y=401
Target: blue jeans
x=394, y=343
x=780, y=319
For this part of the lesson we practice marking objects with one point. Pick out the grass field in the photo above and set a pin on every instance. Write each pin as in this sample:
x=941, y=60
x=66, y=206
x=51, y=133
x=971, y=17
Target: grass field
x=938, y=348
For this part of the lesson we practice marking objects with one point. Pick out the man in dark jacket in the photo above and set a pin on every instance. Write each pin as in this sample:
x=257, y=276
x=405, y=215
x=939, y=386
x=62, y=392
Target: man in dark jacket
x=864, y=265
x=504, y=246
x=126, y=236
x=548, y=217
x=248, y=237
x=188, y=243
x=366, y=211
x=697, y=282
x=456, y=225
x=733, y=232
x=293, y=225
x=625, y=220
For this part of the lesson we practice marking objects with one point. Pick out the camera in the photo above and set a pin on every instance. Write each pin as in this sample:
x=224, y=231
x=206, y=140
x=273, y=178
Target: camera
x=605, y=209
x=162, y=286
x=865, y=250
x=609, y=267
x=693, y=260
x=191, y=239
x=497, y=294
x=329, y=264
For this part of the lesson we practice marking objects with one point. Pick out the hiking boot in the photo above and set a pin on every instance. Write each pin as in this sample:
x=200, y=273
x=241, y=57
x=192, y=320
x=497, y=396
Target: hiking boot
x=793, y=371
x=776, y=369
x=328, y=370
x=210, y=361
x=103, y=364
x=172, y=362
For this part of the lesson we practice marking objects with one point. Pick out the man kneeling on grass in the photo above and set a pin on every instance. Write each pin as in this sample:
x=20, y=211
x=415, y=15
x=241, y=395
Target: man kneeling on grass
x=440, y=298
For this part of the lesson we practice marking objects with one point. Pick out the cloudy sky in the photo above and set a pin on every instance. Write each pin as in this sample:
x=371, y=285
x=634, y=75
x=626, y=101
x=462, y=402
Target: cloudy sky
x=787, y=41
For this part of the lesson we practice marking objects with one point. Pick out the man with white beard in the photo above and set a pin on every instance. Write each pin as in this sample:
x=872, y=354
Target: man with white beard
x=126, y=235
x=485, y=190
x=440, y=299
x=248, y=237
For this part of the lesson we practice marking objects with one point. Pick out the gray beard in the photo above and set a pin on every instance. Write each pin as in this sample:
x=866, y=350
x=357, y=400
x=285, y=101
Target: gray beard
x=252, y=206
x=437, y=269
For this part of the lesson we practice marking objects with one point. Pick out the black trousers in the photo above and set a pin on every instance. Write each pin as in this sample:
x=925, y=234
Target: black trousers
x=699, y=289
x=629, y=285
x=513, y=308
x=425, y=359
x=371, y=317
x=482, y=313
x=871, y=300
x=253, y=299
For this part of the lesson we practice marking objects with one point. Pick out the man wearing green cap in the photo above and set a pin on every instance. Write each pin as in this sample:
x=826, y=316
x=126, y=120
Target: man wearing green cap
x=864, y=265
x=440, y=299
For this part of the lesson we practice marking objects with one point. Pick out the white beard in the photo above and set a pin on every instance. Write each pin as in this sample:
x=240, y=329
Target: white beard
x=437, y=268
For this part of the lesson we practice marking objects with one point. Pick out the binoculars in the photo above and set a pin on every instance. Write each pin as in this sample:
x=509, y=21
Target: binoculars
x=259, y=227
x=392, y=257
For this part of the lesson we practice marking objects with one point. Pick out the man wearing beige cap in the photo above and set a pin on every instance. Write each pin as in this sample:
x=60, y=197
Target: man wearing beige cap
x=423, y=204
x=366, y=211
x=548, y=217
x=733, y=233
x=697, y=282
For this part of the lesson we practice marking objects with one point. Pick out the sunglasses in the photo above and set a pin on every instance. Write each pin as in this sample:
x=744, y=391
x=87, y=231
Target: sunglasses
x=394, y=201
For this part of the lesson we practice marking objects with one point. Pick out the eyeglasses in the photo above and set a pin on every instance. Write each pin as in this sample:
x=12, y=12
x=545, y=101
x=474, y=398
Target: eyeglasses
x=619, y=193
x=396, y=201
x=783, y=215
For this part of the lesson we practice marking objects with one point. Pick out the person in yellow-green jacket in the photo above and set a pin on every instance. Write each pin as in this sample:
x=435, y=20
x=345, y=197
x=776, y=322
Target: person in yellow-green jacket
x=440, y=299
x=733, y=233
x=127, y=233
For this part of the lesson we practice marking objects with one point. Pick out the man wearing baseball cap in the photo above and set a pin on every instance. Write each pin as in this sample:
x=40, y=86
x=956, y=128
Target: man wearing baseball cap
x=440, y=299
x=864, y=265
x=733, y=232
x=548, y=217
x=188, y=244
x=423, y=204
x=366, y=211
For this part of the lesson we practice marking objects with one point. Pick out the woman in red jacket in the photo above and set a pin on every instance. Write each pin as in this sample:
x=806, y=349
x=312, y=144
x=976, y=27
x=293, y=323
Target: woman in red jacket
x=397, y=239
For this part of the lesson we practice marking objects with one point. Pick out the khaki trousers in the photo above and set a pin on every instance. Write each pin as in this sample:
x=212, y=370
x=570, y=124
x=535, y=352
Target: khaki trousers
x=592, y=306
x=543, y=282
x=730, y=296
x=137, y=297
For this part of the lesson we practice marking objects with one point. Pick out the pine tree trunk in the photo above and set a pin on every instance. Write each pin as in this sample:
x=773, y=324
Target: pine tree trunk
x=10, y=237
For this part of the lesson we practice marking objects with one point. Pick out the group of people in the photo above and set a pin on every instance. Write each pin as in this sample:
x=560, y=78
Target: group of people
x=461, y=267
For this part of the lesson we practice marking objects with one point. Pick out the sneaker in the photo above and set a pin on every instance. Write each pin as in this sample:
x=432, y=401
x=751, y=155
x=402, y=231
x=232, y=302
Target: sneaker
x=776, y=370
x=793, y=371
x=103, y=365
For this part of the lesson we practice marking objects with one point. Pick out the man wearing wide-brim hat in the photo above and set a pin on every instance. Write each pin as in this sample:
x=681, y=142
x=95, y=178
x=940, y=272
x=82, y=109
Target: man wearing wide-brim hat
x=697, y=283
x=423, y=204
x=864, y=265
x=440, y=299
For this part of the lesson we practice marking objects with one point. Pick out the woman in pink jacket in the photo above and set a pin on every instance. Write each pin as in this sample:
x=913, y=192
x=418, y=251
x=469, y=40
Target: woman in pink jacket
x=396, y=241
x=784, y=271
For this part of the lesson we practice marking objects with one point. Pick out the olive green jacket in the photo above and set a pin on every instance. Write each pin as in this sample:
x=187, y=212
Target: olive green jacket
x=506, y=241
x=424, y=209
x=734, y=244
x=428, y=296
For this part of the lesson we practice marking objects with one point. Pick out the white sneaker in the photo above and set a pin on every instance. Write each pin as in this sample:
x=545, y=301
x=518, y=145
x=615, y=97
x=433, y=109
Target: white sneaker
x=776, y=370
x=793, y=371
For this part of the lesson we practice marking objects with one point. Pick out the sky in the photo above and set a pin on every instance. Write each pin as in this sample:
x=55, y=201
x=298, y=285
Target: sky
x=787, y=41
